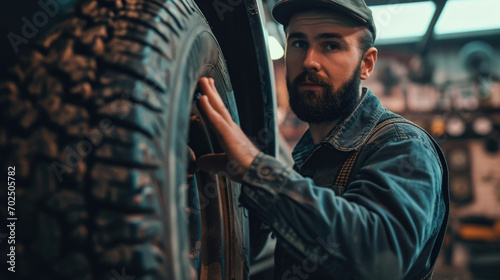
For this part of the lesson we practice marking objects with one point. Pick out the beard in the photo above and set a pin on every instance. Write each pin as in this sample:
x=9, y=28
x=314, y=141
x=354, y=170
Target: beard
x=312, y=107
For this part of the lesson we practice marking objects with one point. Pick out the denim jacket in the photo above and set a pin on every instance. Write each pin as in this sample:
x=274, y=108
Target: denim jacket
x=388, y=223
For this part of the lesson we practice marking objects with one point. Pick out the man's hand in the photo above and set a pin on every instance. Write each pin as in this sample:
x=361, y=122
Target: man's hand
x=240, y=151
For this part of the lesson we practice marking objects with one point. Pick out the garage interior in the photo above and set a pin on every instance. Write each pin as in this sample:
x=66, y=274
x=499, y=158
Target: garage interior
x=438, y=66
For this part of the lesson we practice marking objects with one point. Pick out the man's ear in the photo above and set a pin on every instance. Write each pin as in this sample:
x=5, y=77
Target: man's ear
x=368, y=63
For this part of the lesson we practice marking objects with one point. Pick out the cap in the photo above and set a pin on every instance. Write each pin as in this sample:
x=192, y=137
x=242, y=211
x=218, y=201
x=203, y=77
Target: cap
x=357, y=9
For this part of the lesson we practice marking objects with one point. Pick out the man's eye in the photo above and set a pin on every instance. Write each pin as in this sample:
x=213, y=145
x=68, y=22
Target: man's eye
x=331, y=46
x=299, y=44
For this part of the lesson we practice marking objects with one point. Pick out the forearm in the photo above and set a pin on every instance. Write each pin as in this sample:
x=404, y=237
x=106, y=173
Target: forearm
x=360, y=226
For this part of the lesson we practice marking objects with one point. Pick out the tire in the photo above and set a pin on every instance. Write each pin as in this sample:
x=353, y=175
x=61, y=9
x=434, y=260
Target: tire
x=97, y=118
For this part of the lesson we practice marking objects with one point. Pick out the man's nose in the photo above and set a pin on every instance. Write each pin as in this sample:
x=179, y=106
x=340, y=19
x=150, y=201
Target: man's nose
x=311, y=61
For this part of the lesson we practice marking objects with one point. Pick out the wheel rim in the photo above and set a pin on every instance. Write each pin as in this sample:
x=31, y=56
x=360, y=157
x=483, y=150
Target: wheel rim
x=206, y=206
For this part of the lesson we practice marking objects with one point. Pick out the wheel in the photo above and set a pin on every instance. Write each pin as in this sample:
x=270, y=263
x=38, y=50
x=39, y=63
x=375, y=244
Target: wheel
x=99, y=123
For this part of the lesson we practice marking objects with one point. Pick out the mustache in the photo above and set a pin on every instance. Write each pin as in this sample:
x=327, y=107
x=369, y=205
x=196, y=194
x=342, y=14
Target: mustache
x=311, y=77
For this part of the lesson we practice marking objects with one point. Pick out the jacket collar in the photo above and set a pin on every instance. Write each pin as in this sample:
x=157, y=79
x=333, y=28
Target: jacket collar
x=347, y=135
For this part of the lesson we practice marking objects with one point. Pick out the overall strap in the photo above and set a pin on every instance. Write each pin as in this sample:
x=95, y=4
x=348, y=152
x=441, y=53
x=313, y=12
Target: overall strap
x=344, y=175
x=345, y=171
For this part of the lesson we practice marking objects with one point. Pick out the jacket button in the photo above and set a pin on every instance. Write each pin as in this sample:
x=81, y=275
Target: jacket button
x=265, y=171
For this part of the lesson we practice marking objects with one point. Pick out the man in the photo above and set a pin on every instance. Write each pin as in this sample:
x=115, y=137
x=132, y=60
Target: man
x=367, y=197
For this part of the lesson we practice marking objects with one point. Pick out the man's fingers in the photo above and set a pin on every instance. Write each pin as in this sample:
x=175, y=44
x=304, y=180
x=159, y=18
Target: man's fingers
x=212, y=163
x=216, y=121
x=208, y=88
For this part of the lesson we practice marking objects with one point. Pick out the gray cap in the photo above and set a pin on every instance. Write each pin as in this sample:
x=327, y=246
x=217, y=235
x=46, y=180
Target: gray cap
x=357, y=9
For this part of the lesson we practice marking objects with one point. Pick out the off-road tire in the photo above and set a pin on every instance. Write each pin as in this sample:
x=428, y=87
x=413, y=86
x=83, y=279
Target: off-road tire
x=95, y=119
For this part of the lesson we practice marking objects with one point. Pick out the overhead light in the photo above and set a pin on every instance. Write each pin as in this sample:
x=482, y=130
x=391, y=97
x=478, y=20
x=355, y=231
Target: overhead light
x=402, y=22
x=275, y=48
x=438, y=126
x=455, y=126
x=482, y=126
x=460, y=16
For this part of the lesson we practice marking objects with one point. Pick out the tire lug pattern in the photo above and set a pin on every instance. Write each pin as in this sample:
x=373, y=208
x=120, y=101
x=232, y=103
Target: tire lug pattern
x=138, y=257
x=70, y=205
x=111, y=228
x=93, y=198
x=75, y=266
x=49, y=236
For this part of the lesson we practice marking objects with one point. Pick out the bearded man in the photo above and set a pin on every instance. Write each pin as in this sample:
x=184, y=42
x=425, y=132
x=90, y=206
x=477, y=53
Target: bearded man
x=367, y=197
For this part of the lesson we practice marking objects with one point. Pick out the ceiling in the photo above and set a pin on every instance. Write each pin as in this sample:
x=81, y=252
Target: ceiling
x=423, y=21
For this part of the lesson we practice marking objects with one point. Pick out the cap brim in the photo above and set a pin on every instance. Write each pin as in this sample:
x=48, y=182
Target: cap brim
x=283, y=10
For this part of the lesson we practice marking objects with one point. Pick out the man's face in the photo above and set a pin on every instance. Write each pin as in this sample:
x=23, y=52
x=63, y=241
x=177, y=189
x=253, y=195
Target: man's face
x=323, y=63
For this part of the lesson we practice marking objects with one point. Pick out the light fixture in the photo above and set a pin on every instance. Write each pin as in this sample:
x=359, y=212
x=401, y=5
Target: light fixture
x=482, y=126
x=460, y=16
x=275, y=48
x=455, y=126
x=438, y=126
x=402, y=22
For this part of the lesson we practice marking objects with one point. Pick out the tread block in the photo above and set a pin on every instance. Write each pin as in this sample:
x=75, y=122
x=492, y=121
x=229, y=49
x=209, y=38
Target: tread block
x=146, y=36
x=157, y=13
x=70, y=166
x=70, y=205
x=49, y=238
x=143, y=153
x=95, y=12
x=146, y=25
x=122, y=187
x=131, y=178
x=134, y=116
x=71, y=118
x=151, y=65
x=78, y=68
x=117, y=85
x=45, y=142
x=113, y=229
x=154, y=73
x=19, y=156
x=145, y=257
x=119, y=134
x=74, y=266
x=178, y=13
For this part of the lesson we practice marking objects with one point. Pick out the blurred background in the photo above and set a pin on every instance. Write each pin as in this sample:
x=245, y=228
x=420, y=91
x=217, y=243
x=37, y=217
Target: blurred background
x=439, y=67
